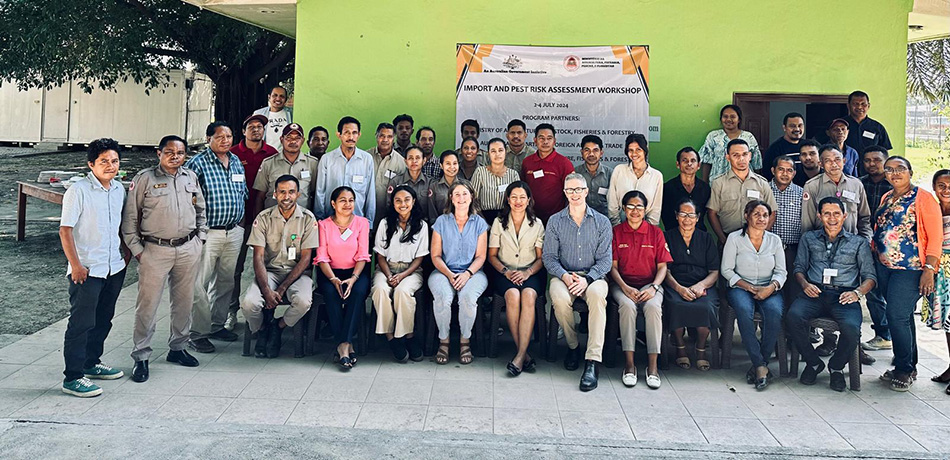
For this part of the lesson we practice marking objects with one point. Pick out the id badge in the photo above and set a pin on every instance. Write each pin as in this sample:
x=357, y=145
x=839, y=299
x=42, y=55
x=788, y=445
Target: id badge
x=357, y=179
x=752, y=194
x=305, y=174
x=237, y=177
x=346, y=234
x=828, y=274
x=602, y=191
x=292, y=253
x=538, y=174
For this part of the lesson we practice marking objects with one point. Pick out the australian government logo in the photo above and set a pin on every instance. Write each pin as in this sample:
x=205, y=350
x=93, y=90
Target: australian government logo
x=512, y=62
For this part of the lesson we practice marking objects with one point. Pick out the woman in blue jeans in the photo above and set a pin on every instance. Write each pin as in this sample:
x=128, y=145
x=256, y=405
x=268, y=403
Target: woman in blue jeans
x=753, y=263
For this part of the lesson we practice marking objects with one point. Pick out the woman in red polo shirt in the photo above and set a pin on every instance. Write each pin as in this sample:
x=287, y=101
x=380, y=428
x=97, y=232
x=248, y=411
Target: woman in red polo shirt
x=639, y=267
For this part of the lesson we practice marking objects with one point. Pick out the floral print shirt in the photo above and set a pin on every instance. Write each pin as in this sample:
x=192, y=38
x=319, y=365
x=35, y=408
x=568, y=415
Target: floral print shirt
x=895, y=232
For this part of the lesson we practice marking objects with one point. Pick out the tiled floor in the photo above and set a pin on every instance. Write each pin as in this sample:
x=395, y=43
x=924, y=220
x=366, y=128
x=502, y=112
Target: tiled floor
x=698, y=407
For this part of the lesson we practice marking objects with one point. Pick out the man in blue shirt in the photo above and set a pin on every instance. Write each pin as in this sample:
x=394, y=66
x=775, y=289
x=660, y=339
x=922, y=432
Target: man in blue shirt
x=347, y=165
x=89, y=232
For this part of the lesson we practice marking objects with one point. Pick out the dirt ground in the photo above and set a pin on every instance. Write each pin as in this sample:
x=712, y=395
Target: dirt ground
x=34, y=288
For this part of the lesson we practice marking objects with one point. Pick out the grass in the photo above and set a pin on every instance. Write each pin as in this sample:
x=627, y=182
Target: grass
x=926, y=161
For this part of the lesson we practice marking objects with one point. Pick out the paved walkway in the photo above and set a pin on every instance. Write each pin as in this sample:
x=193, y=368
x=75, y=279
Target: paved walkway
x=715, y=409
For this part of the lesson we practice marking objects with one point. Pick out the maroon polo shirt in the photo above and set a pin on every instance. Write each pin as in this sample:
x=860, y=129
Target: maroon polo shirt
x=547, y=189
x=252, y=163
x=637, y=252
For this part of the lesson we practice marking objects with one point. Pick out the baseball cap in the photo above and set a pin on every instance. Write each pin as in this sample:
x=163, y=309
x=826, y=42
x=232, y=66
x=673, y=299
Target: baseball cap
x=291, y=128
x=258, y=117
x=837, y=120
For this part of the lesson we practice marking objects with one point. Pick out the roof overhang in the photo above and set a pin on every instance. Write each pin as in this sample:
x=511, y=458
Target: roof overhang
x=929, y=20
x=275, y=15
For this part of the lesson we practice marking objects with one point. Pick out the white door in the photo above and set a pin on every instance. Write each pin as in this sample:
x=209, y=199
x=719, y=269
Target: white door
x=56, y=103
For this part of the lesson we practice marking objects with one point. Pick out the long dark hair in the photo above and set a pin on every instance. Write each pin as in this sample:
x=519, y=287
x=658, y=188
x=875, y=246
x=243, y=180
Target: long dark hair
x=506, y=207
x=749, y=207
x=414, y=226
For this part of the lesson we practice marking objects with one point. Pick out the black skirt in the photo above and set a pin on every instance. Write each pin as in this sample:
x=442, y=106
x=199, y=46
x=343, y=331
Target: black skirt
x=702, y=312
x=501, y=284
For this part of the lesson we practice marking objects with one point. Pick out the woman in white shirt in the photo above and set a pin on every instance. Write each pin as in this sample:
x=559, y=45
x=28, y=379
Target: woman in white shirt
x=636, y=175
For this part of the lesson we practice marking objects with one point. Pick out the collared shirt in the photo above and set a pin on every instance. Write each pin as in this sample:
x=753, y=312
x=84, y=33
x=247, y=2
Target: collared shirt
x=569, y=247
x=439, y=196
x=851, y=161
x=850, y=190
x=357, y=173
x=421, y=186
x=95, y=215
x=277, y=235
x=801, y=176
x=163, y=206
x=639, y=252
x=691, y=264
x=514, y=160
x=342, y=250
x=713, y=152
x=598, y=185
x=547, y=188
x=224, y=189
x=624, y=180
x=729, y=195
x=304, y=168
x=517, y=250
x=252, y=164
x=479, y=162
x=490, y=189
x=397, y=250
x=788, y=213
x=459, y=247
x=865, y=134
x=741, y=261
x=388, y=168
x=674, y=192
x=402, y=150
x=778, y=148
x=849, y=254
x=874, y=191
x=432, y=168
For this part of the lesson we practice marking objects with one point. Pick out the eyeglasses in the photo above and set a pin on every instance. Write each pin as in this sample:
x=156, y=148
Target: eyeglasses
x=634, y=207
x=897, y=170
x=575, y=190
x=687, y=215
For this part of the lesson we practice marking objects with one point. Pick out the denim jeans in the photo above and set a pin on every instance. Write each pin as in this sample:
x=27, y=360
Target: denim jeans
x=92, y=306
x=901, y=290
x=848, y=317
x=771, y=308
x=877, y=307
x=345, y=315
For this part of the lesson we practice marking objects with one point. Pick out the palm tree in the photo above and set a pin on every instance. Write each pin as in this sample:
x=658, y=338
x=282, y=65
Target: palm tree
x=928, y=70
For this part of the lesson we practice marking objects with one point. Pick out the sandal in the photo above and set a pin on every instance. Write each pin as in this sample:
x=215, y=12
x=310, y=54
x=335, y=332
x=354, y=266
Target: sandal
x=942, y=378
x=901, y=382
x=889, y=375
x=701, y=364
x=513, y=370
x=682, y=361
x=344, y=361
x=442, y=356
x=465, y=353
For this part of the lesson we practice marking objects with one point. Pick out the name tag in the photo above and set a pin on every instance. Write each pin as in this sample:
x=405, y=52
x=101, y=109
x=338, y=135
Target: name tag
x=752, y=194
x=291, y=253
x=390, y=174
x=346, y=234
x=237, y=177
x=538, y=174
x=848, y=194
x=502, y=188
x=602, y=191
x=357, y=179
x=868, y=134
x=828, y=274
x=305, y=174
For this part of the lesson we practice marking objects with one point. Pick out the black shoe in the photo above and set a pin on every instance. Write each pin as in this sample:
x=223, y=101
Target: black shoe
x=513, y=370
x=810, y=374
x=573, y=359
x=223, y=335
x=529, y=365
x=260, y=348
x=273, y=340
x=414, y=347
x=140, y=371
x=181, y=357
x=763, y=382
x=750, y=376
x=398, y=347
x=813, y=335
x=201, y=345
x=866, y=359
x=589, y=377
x=837, y=381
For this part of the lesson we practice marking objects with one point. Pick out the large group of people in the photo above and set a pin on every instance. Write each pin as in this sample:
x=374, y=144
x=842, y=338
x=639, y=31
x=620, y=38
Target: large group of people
x=399, y=225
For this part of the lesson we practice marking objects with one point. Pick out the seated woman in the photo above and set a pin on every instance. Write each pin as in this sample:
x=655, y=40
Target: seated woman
x=402, y=240
x=343, y=277
x=491, y=181
x=639, y=266
x=692, y=299
x=753, y=263
x=514, y=251
x=459, y=246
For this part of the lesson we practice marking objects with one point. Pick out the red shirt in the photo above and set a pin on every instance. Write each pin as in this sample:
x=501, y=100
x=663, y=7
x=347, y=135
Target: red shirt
x=638, y=252
x=252, y=163
x=547, y=190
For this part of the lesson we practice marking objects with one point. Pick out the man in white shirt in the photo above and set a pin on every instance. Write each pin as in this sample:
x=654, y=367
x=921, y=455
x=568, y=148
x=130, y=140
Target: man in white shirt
x=278, y=115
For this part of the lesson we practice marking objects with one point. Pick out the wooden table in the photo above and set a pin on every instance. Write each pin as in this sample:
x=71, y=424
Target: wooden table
x=44, y=192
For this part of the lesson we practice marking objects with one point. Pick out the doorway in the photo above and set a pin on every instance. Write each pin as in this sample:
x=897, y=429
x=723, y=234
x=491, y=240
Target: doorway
x=762, y=113
x=56, y=103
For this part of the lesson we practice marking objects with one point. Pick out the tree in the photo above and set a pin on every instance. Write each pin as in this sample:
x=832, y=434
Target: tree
x=928, y=70
x=100, y=43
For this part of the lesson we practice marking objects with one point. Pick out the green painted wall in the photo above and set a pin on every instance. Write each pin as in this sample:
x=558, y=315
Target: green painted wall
x=374, y=60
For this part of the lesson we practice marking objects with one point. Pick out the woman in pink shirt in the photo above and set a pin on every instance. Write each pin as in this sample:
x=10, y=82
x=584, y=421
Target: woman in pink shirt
x=343, y=277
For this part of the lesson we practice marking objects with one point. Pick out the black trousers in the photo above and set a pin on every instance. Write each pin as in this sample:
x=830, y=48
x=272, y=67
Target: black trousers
x=92, y=306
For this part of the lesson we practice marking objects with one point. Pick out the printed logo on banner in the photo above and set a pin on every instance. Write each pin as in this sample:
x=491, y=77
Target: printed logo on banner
x=572, y=63
x=512, y=62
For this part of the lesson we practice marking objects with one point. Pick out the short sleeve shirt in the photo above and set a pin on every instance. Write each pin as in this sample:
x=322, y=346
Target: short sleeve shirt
x=397, y=250
x=95, y=215
x=546, y=176
x=598, y=185
x=517, y=250
x=458, y=248
x=729, y=195
x=637, y=252
x=304, y=168
x=713, y=152
x=693, y=262
x=277, y=235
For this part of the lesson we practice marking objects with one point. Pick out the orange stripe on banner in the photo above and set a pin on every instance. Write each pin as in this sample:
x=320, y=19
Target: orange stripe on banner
x=642, y=60
x=620, y=52
x=483, y=52
x=462, y=58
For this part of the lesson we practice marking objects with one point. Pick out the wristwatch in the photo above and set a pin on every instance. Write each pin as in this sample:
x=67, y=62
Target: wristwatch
x=504, y=270
x=859, y=294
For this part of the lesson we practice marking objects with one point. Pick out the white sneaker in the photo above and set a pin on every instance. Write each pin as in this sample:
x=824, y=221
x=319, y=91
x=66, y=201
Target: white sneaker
x=231, y=321
x=877, y=343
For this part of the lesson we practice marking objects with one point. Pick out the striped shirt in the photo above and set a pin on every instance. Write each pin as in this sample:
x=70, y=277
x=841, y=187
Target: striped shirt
x=788, y=214
x=490, y=189
x=224, y=189
x=572, y=248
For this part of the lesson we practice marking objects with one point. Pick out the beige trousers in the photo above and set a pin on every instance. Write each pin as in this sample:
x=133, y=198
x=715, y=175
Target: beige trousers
x=596, y=298
x=300, y=294
x=652, y=314
x=395, y=307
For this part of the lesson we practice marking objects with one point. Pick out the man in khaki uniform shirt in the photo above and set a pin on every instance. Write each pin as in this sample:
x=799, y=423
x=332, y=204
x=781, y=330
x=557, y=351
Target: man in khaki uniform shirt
x=734, y=189
x=164, y=225
x=292, y=161
x=834, y=182
x=283, y=238
x=389, y=165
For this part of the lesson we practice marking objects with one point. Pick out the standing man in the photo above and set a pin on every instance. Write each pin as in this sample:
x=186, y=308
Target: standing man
x=317, y=141
x=863, y=131
x=89, y=232
x=875, y=186
x=164, y=225
x=834, y=182
x=388, y=166
x=594, y=172
x=470, y=128
x=278, y=116
x=350, y=166
x=837, y=135
x=404, y=127
x=810, y=165
x=518, y=149
x=577, y=255
x=545, y=171
x=788, y=214
x=425, y=139
x=685, y=185
x=794, y=126
x=290, y=161
x=251, y=151
x=730, y=192
x=221, y=177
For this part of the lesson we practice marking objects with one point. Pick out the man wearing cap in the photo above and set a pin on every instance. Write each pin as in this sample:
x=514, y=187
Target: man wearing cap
x=347, y=165
x=278, y=116
x=794, y=127
x=164, y=225
x=283, y=237
x=388, y=166
x=838, y=135
x=863, y=131
x=221, y=177
x=251, y=151
x=291, y=161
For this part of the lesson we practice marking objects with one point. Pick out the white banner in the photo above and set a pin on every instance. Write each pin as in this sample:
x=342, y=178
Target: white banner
x=601, y=90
